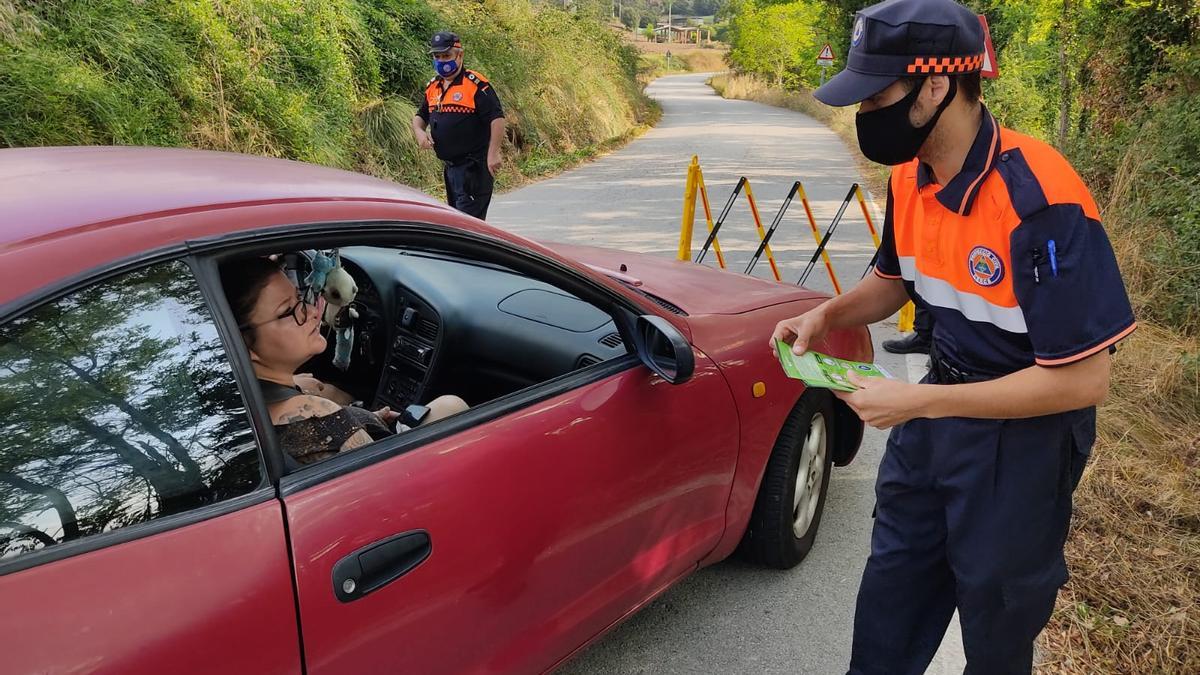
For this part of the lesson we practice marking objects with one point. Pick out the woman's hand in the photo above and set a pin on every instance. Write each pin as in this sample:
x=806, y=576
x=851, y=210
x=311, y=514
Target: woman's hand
x=389, y=418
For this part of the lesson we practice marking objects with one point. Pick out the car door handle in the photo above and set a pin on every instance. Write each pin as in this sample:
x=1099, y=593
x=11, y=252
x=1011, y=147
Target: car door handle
x=378, y=564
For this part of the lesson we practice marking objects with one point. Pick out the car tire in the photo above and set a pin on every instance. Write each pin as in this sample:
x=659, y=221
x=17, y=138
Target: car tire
x=787, y=513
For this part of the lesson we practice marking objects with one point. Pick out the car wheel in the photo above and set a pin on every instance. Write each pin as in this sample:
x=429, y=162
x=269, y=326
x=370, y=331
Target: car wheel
x=791, y=498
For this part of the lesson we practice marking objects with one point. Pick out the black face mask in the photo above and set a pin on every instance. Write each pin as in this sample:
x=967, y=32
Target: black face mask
x=885, y=136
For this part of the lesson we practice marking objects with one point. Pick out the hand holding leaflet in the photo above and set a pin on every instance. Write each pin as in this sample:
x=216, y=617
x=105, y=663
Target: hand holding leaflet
x=821, y=370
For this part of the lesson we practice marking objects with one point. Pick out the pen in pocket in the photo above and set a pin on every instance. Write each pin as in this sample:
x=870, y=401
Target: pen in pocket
x=1052, y=250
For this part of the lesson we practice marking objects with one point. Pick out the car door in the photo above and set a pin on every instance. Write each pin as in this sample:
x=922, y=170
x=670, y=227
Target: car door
x=514, y=532
x=137, y=531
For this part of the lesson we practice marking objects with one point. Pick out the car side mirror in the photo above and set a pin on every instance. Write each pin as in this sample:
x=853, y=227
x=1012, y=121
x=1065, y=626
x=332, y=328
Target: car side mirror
x=664, y=349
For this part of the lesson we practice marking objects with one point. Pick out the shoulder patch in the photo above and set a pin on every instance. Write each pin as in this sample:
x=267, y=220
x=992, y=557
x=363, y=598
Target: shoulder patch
x=476, y=77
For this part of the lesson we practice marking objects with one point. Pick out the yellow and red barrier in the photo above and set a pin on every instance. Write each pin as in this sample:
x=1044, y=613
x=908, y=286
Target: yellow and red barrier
x=695, y=188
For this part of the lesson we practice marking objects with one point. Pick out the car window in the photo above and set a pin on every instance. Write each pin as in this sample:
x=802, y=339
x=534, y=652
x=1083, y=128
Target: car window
x=117, y=406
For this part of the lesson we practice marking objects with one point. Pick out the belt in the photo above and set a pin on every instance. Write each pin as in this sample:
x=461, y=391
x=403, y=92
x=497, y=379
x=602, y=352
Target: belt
x=944, y=371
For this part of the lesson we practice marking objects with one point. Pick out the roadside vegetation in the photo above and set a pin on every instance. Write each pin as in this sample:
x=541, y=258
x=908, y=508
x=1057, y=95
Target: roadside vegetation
x=1116, y=86
x=334, y=82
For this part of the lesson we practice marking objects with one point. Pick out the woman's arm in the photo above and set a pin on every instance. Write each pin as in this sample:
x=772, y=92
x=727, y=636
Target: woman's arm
x=303, y=407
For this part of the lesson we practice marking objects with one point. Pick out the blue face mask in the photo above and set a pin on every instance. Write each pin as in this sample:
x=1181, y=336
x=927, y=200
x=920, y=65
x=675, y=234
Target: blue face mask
x=445, y=68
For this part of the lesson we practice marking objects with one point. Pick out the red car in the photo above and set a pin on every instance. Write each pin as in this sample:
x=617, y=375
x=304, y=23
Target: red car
x=628, y=425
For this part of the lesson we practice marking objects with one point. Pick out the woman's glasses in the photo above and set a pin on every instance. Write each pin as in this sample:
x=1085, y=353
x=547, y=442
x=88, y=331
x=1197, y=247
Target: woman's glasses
x=298, y=312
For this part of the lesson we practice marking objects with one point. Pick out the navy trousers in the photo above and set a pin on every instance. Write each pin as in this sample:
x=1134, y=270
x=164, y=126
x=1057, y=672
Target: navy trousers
x=970, y=514
x=469, y=185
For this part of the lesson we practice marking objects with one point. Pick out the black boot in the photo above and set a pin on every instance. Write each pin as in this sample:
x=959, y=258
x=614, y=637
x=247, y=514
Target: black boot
x=915, y=343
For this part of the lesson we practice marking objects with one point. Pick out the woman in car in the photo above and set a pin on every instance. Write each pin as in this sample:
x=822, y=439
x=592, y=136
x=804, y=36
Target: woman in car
x=313, y=420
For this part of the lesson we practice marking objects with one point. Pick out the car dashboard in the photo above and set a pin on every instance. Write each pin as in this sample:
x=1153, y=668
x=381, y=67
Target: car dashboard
x=432, y=324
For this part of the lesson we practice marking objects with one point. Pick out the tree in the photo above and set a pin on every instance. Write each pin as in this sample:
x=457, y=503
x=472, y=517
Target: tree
x=777, y=41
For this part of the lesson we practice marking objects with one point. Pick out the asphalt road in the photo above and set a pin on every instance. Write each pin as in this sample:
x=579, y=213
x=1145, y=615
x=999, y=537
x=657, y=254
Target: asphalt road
x=733, y=617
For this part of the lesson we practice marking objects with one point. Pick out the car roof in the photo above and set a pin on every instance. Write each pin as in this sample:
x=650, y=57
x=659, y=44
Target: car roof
x=46, y=191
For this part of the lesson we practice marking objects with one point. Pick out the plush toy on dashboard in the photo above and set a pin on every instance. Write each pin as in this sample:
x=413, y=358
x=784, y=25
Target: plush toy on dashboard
x=314, y=283
x=339, y=292
x=329, y=279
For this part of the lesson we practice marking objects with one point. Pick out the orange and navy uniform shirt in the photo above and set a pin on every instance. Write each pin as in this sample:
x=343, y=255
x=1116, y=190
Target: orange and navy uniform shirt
x=1009, y=257
x=460, y=115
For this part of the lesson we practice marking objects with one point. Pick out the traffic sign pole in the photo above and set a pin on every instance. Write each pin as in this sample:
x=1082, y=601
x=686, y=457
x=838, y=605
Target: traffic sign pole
x=824, y=60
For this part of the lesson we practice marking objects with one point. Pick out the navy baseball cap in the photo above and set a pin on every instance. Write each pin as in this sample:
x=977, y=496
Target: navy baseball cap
x=905, y=38
x=443, y=42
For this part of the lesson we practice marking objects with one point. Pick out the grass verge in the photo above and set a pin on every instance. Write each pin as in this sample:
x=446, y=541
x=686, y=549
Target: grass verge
x=684, y=59
x=333, y=82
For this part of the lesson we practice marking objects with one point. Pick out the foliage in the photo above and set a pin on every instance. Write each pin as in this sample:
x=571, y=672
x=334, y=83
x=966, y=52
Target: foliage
x=326, y=81
x=777, y=41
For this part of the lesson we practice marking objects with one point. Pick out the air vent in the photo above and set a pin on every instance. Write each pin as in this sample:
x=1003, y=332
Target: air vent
x=666, y=305
x=586, y=360
x=427, y=330
x=612, y=340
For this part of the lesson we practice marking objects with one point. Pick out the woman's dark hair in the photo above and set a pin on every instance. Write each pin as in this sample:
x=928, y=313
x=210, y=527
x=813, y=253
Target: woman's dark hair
x=244, y=280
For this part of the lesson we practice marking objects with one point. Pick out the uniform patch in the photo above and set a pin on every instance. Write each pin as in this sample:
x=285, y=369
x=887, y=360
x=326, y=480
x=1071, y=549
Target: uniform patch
x=985, y=266
x=457, y=96
x=860, y=27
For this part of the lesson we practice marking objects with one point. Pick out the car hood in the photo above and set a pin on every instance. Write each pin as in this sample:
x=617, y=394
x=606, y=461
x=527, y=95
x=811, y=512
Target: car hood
x=696, y=289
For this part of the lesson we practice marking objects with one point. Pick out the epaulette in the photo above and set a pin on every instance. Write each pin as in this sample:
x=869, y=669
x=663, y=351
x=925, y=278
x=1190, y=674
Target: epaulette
x=476, y=77
x=431, y=81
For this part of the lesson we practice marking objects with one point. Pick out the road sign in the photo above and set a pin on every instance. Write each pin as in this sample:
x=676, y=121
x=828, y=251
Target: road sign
x=990, y=70
x=825, y=58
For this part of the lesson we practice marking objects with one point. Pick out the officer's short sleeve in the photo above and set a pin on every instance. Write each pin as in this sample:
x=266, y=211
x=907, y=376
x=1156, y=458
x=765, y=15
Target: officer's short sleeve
x=423, y=110
x=887, y=264
x=1074, y=301
x=487, y=103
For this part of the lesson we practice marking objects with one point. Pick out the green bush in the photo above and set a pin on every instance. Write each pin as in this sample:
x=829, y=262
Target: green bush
x=328, y=81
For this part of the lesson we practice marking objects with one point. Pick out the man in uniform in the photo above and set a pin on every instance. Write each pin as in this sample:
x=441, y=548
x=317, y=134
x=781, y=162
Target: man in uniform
x=461, y=119
x=997, y=237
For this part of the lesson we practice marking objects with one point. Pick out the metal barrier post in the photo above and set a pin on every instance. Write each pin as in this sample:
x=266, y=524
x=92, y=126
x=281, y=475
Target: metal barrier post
x=812, y=222
x=708, y=218
x=787, y=201
x=689, y=211
x=762, y=235
x=828, y=233
x=866, y=214
x=712, y=236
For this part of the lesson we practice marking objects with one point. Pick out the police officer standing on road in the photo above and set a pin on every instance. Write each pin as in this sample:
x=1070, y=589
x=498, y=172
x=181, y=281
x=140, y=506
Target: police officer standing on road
x=461, y=119
x=995, y=234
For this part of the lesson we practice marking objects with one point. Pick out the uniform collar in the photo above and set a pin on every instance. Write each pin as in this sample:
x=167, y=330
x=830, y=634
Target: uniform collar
x=959, y=194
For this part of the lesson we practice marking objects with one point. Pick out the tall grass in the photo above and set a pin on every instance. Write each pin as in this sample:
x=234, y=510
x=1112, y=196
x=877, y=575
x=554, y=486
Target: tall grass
x=328, y=81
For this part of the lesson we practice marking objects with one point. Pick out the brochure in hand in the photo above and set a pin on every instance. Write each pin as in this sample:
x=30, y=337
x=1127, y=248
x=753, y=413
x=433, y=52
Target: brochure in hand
x=821, y=370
